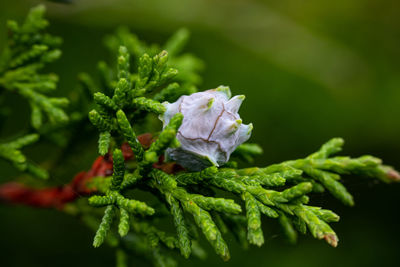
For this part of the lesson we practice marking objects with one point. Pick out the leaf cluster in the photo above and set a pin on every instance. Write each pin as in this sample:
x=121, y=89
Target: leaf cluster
x=28, y=50
x=210, y=204
x=279, y=191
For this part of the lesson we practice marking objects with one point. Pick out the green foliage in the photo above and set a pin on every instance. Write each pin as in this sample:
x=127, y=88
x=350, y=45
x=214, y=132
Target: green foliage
x=28, y=50
x=278, y=191
x=104, y=227
x=11, y=151
x=214, y=201
x=181, y=229
x=214, y=216
x=113, y=199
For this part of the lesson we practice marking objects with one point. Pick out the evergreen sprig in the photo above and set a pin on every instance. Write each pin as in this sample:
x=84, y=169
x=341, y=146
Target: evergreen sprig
x=216, y=201
x=28, y=50
x=11, y=152
x=278, y=191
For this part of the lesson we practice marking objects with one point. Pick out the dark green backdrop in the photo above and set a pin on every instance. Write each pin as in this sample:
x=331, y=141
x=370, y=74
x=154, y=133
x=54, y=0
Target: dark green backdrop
x=311, y=70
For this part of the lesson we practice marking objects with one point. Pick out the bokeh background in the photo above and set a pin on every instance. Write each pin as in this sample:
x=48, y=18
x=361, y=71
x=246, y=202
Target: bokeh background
x=311, y=70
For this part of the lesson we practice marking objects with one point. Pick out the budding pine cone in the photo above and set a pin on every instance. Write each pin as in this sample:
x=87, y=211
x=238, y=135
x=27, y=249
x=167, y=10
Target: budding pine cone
x=211, y=128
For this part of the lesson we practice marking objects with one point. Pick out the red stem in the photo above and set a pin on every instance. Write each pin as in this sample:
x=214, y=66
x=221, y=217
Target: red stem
x=57, y=197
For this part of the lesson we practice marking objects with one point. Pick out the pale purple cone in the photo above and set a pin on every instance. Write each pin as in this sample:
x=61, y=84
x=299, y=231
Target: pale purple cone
x=211, y=128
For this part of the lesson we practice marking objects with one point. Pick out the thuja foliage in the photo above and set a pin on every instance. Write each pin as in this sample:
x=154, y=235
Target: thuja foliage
x=205, y=205
x=28, y=50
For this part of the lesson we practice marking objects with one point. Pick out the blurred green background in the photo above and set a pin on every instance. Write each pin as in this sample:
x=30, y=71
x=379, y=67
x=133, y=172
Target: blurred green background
x=310, y=70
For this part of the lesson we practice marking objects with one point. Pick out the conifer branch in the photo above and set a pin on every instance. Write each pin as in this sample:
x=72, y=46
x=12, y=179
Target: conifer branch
x=215, y=201
x=28, y=50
